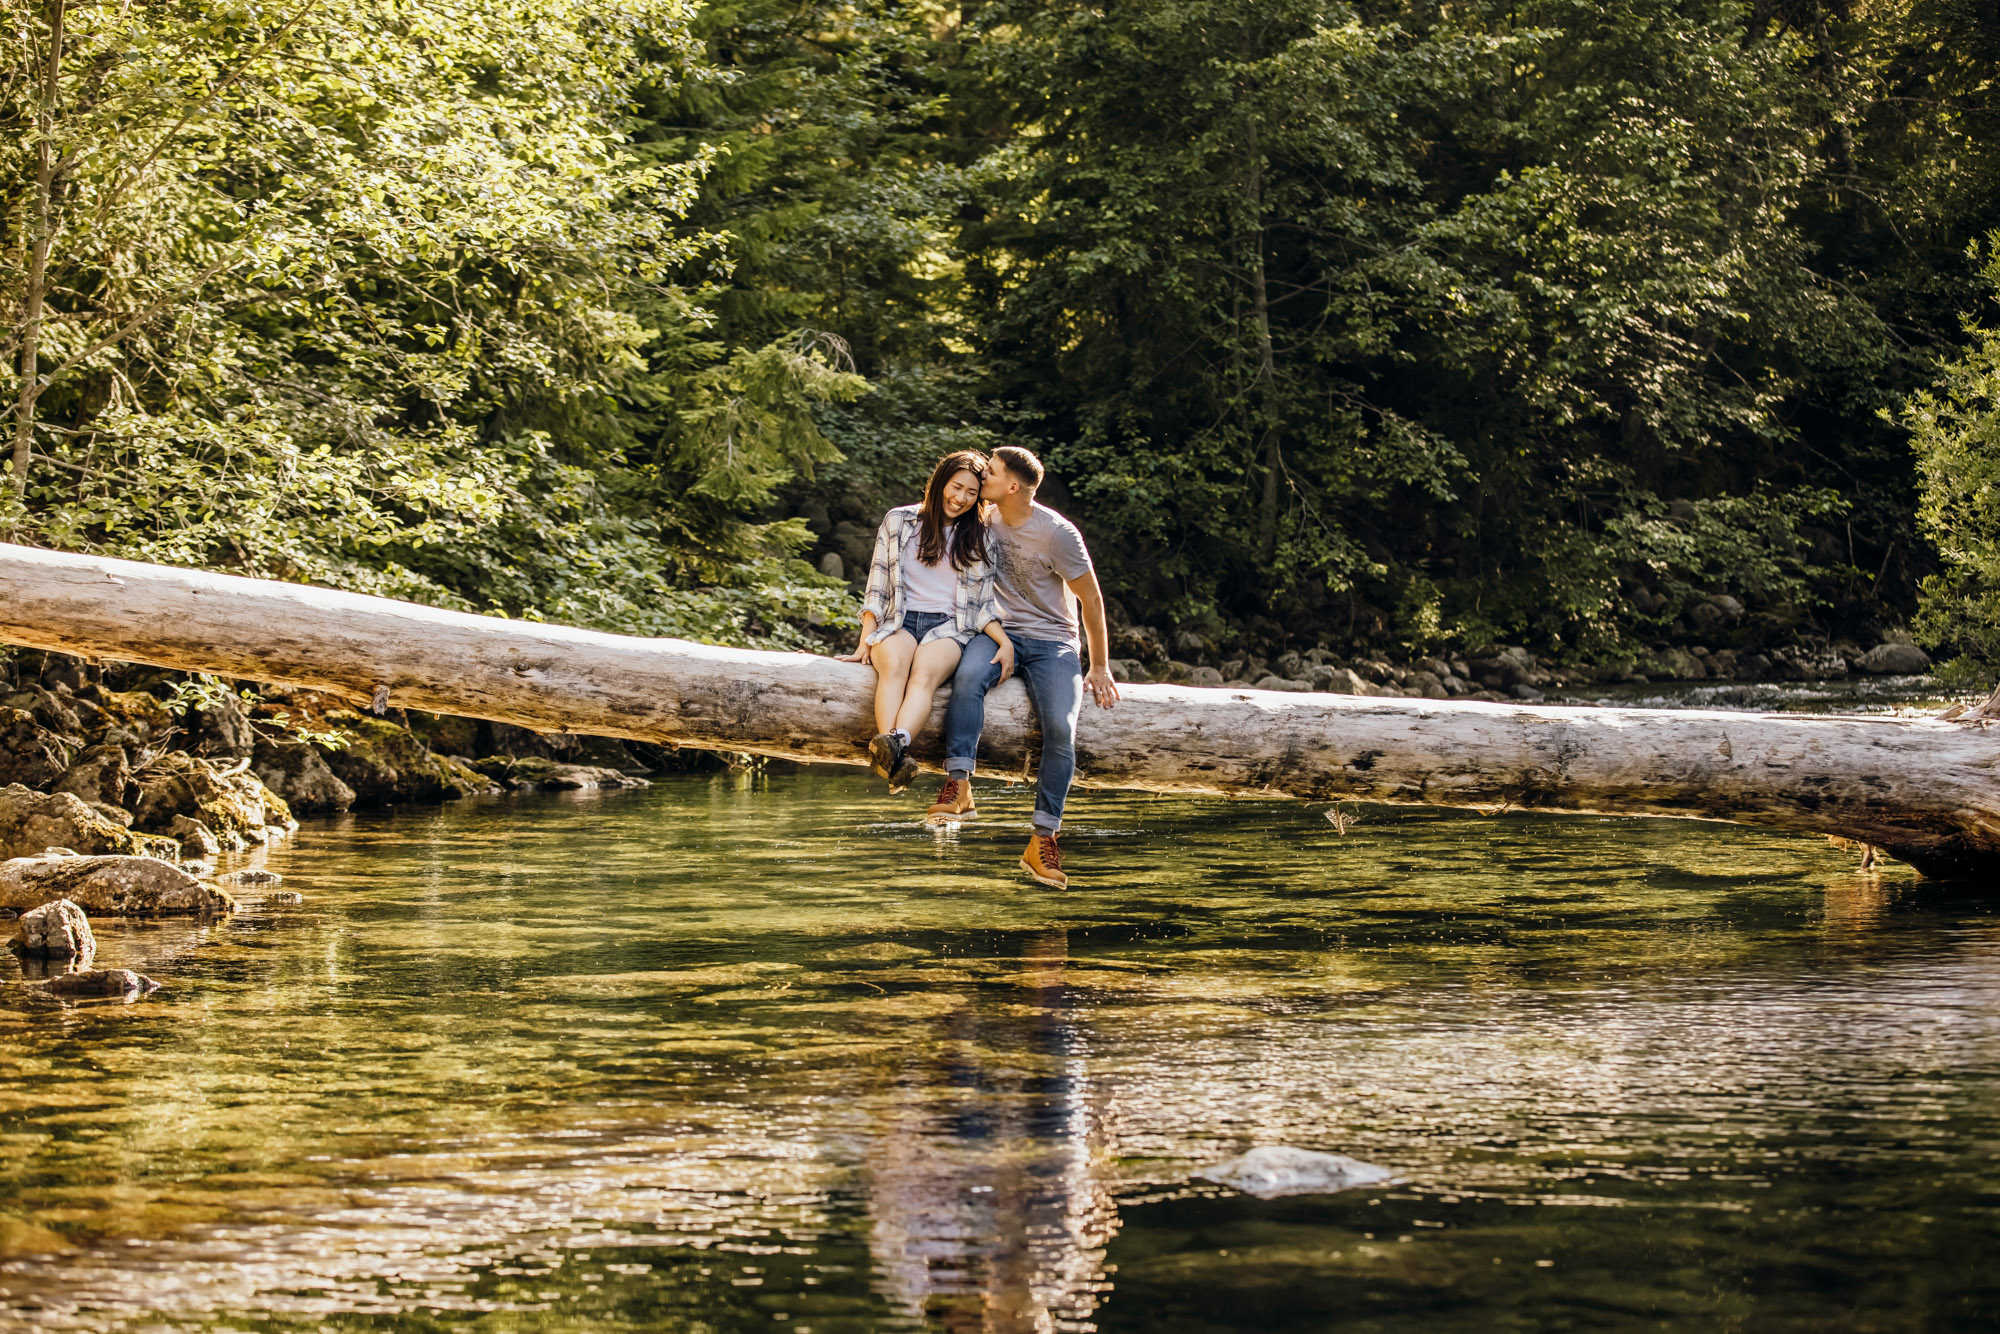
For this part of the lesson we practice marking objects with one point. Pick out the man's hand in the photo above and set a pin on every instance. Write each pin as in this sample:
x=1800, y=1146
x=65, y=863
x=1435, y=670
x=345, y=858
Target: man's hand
x=1101, y=687
x=1004, y=655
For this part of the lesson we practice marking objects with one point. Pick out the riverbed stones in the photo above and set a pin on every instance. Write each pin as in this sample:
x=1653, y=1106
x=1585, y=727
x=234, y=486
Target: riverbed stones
x=1274, y=1170
x=99, y=982
x=32, y=821
x=250, y=875
x=1893, y=660
x=1284, y=683
x=55, y=930
x=101, y=775
x=533, y=774
x=114, y=886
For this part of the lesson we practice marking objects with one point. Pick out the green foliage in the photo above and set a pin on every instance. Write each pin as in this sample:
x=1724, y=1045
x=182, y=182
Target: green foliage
x=1955, y=431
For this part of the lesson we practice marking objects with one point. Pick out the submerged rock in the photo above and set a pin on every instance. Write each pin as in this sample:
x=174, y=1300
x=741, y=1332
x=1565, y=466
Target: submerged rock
x=1273, y=1170
x=57, y=929
x=535, y=774
x=109, y=886
x=100, y=982
x=250, y=876
x=32, y=821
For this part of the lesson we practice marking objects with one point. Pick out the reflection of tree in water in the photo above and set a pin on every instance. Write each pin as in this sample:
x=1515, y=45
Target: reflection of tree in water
x=987, y=1213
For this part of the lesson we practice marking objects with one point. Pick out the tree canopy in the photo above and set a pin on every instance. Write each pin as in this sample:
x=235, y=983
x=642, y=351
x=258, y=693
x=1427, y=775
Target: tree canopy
x=1380, y=323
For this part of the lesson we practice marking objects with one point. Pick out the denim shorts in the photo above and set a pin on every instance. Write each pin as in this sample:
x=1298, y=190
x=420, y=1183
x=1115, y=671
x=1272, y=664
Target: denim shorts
x=921, y=623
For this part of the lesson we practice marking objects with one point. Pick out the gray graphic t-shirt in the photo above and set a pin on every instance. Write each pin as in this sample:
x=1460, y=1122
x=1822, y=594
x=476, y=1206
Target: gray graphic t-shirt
x=1034, y=564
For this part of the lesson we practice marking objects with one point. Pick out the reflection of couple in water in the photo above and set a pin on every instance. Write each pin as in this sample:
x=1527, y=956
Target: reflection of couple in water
x=974, y=584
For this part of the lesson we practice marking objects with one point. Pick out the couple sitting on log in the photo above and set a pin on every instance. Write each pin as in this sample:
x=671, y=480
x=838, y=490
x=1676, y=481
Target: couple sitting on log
x=973, y=584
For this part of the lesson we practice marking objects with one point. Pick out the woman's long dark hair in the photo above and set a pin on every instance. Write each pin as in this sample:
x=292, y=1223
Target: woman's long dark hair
x=968, y=543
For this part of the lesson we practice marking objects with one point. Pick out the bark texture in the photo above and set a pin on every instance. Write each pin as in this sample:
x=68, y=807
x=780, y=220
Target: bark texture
x=1926, y=790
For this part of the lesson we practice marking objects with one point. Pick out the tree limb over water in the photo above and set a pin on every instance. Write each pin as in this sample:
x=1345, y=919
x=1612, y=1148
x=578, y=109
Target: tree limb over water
x=1924, y=789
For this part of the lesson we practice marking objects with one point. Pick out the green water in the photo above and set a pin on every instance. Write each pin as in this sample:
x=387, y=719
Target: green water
x=737, y=1053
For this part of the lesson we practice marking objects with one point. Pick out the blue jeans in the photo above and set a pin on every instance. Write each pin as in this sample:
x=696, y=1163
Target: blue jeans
x=1053, y=674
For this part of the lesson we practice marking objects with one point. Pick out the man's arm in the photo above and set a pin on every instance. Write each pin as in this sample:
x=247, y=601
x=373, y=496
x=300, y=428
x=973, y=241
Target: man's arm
x=1091, y=602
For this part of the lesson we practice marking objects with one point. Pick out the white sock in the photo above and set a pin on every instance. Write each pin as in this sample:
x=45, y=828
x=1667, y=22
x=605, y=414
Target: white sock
x=901, y=736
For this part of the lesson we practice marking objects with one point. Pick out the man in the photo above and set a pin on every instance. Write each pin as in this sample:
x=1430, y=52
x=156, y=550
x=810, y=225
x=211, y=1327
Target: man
x=1043, y=576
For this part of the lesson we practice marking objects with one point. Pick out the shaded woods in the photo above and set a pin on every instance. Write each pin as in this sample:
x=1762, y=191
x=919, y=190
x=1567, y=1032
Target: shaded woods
x=1390, y=328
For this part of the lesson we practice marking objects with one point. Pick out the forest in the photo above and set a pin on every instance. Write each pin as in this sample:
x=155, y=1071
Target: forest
x=1400, y=327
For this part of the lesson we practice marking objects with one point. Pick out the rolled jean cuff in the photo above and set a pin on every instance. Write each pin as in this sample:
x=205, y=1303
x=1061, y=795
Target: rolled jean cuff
x=1047, y=824
x=970, y=766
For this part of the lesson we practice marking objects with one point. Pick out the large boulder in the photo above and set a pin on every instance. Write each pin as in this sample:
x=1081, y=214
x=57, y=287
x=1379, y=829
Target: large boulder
x=30, y=754
x=385, y=765
x=108, y=886
x=298, y=773
x=231, y=801
x=58, y=930
x=221, y=727
x=1893, y=660
x=101, y=775
x=33, y=821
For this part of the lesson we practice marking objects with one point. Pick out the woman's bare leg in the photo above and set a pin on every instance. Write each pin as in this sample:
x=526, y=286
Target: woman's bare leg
x=892, y=658
x=934, y=662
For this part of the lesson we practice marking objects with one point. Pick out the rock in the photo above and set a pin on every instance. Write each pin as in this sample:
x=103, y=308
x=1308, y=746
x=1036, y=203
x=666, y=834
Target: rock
x=1722, y=664
x=58, y=929
x=296, y=772
x=200, y=870
x=856, y=545
x=101, y=774
x=1455, y=687
x=1204, y=676
x=832, y=566
x=1139, y=641
x=1346, y=681
x=1677, y=664
x=30, y=754
x=222, y=728
x=250, y=875
x=233, y=803
x=100, y=982
x=1129, y=669
x=1274, y=1170
x=32, y=821
x=1291, y=666
x=132, y=718
x=48, y=709
x=1426, y=683
x=195, y=838
x=1528, y=694
x=537, y=774
x=1188, y=644
x=1176, y=671
x=1234, y=669
x=108, y=886
x=1375, y=670
x=1282, y=683
x=384, y=765
x=284, y=896
x=1893, y=660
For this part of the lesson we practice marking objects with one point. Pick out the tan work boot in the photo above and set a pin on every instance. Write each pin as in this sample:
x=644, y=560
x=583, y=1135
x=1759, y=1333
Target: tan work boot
x=1043, y=860
x=954, y=802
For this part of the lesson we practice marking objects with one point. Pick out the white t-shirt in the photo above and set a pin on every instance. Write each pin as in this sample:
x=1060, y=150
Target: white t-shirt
x=929, y=587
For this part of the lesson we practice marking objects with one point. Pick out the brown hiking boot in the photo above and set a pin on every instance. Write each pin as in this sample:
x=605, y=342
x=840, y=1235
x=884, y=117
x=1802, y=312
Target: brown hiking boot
x=954, y=802
x=1043, y=860
x=884, y=754
x=904, y=774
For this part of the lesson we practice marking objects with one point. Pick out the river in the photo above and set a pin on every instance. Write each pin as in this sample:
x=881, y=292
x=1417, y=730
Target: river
x=750, y=1052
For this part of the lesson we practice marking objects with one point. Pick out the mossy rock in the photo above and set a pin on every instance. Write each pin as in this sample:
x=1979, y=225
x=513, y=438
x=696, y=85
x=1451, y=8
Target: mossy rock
x=386, y=764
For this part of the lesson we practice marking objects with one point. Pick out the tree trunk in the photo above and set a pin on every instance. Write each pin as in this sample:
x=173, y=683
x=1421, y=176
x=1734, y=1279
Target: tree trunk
x=35, y=292
x=1270, y=450
x=1923, y=789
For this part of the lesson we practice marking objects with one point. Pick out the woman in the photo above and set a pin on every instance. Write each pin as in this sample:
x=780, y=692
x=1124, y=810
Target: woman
x=930, y=592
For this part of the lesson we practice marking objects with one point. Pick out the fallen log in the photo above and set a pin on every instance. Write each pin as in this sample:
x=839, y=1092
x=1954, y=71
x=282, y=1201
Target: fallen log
x=1923, y=789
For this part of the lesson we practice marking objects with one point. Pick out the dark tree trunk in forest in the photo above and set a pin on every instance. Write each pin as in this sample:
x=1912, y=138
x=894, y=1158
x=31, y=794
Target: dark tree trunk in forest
x=1269, y=410
x=34, y=295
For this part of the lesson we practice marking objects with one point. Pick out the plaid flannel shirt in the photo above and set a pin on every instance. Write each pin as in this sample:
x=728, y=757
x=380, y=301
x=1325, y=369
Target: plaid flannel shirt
x=974, y=602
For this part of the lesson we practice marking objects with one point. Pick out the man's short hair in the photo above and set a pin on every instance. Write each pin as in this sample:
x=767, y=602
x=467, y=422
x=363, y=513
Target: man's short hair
x=1027, y=469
